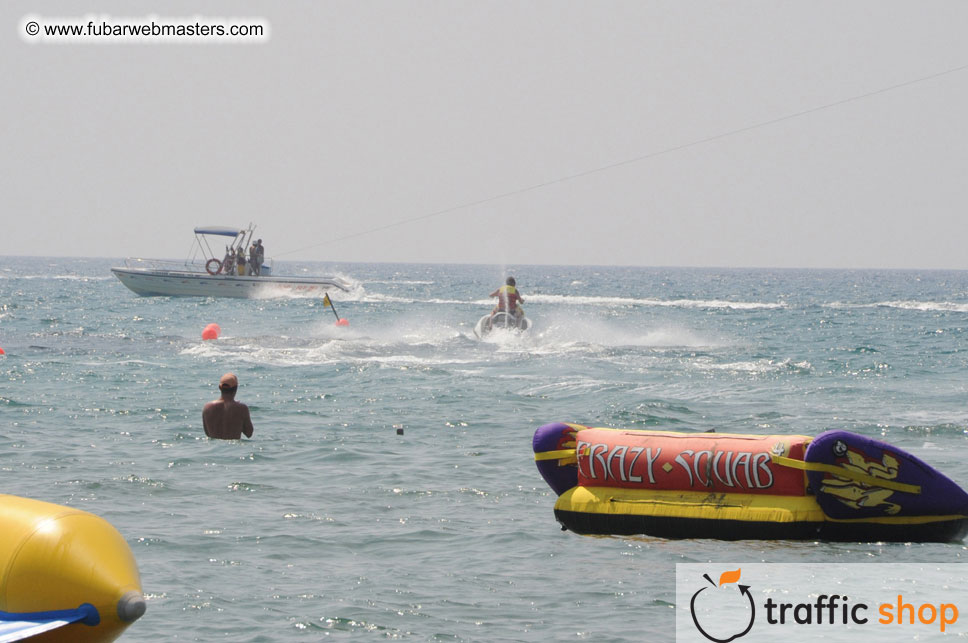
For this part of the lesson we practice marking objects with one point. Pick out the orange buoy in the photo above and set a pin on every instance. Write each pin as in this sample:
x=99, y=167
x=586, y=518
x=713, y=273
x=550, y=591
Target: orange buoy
x=211, y=332
x=342, y=322
x=1, y=352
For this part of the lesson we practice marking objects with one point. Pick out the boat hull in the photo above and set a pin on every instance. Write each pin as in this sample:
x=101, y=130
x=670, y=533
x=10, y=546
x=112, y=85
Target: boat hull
x=942, y=531
x=174, y=283
x=600, y=512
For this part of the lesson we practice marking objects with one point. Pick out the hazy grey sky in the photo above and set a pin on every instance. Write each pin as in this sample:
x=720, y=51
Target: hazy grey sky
x=356, y=114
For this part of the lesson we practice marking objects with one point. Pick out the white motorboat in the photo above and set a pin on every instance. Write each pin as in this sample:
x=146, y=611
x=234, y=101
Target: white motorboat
x=203, y=274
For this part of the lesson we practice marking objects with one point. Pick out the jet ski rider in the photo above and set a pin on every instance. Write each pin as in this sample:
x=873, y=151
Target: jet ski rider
x=508, y=299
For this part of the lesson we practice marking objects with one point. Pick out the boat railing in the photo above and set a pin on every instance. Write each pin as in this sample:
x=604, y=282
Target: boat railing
x=136, y=263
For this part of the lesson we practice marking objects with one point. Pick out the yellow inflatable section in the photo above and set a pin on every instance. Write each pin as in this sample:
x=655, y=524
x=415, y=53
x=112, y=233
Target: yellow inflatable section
x=58, y=558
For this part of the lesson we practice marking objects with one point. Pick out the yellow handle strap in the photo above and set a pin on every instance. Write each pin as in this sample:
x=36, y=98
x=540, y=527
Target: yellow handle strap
x=560, y=454
x=842, y=472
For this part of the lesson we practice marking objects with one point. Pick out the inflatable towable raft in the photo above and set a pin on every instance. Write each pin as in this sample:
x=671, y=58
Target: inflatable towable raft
x=837, y=486
x=65, y=575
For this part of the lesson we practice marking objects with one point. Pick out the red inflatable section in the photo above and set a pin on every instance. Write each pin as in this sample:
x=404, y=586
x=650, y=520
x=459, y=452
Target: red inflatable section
x=690, y=462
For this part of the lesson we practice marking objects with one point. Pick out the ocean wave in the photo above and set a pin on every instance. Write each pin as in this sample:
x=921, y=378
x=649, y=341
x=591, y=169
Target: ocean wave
x=409, y=361
x=360, y=295
x=922, y=306
x=419, y=348
x=281, y=292
x=6, y=401
x=81, y=278
x=57, y=277
x=567, y=333
x=413, y=340
x=581, y=300
x=925, y=306
x=754, y=366
x=567, y=386
x=271, y=291
x=355, y=292
x=358, y=351
x=380, y=298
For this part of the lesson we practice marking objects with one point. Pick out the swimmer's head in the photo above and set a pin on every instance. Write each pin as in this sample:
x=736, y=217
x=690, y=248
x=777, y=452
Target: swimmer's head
x=229, y=383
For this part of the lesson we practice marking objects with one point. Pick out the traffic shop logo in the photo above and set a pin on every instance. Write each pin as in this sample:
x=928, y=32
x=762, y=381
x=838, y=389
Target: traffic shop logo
x=726, y=611
x=728, y=595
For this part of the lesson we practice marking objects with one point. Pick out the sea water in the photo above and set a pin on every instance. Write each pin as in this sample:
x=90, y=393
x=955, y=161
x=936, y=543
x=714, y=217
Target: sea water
x=389, y=490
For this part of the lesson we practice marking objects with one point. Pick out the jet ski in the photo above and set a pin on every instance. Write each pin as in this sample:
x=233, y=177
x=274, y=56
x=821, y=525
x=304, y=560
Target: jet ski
x=501, y=321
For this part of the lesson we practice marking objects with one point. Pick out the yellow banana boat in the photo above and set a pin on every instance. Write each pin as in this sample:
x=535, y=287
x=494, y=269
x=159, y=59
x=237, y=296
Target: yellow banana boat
x=65, y=575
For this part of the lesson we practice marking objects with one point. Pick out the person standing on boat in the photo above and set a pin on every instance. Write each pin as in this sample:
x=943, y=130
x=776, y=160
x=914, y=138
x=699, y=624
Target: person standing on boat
x=253, y=255
x=228, y=262
x=508, y=299
x=260, y=255
x=240, y=260
x=224, y=418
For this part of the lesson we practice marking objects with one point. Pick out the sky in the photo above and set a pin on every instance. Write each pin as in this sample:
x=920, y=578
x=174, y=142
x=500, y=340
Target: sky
x=755, y=133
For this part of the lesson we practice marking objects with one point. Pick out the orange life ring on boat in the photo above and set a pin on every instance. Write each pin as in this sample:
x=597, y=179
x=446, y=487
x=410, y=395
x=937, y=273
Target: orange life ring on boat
x=213, y=266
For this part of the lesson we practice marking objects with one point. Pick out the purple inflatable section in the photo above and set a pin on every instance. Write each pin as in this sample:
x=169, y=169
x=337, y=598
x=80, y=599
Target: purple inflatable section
x=555, y=437
x=845, y=498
